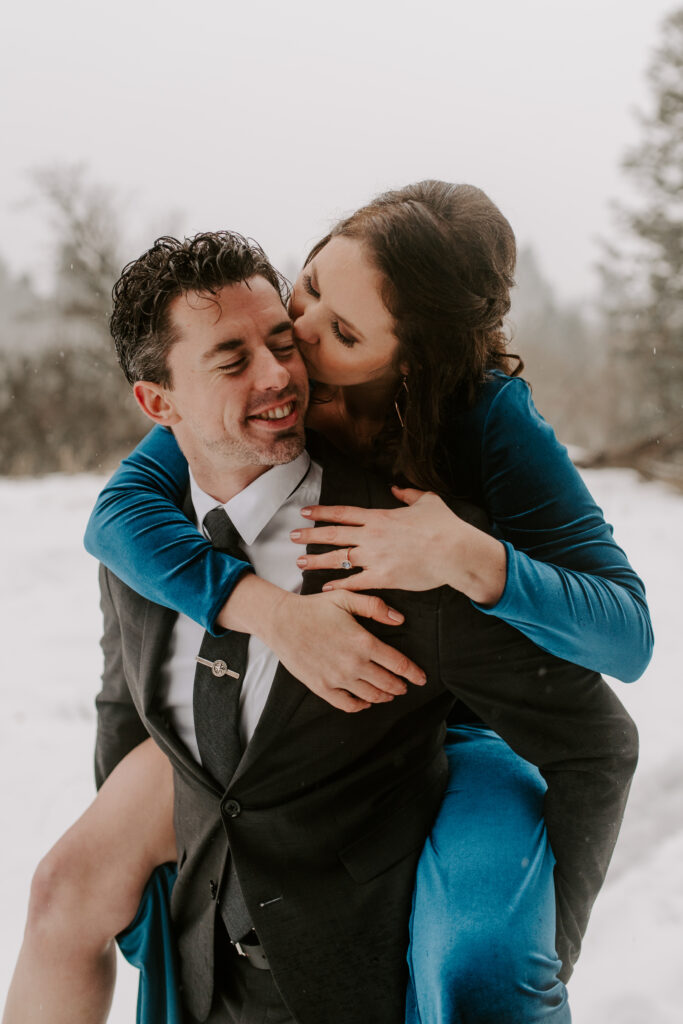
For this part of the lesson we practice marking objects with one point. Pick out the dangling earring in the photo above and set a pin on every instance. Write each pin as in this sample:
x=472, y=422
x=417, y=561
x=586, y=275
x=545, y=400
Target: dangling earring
x=403, y=387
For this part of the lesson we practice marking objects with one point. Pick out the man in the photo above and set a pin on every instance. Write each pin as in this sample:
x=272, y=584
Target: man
x=303, y=854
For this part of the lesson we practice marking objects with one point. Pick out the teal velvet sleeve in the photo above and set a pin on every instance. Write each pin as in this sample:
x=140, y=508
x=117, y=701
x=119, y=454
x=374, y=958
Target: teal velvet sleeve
x=570, y=587
x=138, y=530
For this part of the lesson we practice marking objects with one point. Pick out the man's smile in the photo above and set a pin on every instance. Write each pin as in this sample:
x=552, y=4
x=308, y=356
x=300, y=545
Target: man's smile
x=283, y=415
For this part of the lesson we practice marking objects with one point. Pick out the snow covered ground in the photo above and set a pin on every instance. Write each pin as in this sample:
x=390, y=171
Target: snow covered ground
x=49, y=669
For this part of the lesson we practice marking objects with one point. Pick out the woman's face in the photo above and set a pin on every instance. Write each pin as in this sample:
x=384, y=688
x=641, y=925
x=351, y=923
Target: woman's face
x=345, y=333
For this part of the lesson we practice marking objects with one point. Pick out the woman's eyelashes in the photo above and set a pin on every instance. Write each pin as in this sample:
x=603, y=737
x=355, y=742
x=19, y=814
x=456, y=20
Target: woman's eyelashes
x=308, y=286
x=345, y=340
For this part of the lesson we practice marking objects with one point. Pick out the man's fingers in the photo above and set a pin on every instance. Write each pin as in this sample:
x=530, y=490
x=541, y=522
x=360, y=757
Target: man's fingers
x=336, y=514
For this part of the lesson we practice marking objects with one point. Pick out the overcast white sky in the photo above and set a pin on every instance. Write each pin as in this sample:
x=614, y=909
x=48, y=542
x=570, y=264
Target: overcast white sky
x=274, y=118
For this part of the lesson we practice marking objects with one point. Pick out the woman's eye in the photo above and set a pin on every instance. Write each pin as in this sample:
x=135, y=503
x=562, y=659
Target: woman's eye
x=308, y=286
x=345, y=340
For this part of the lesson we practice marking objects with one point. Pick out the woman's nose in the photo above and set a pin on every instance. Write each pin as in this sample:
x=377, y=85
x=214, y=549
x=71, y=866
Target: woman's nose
x=305, y=328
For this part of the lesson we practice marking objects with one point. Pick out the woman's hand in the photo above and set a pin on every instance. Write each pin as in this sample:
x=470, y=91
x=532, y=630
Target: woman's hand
x=421, y=546
x=317, y=638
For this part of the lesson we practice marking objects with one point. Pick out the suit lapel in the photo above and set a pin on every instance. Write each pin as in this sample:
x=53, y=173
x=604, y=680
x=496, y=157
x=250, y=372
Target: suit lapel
x=156, y=632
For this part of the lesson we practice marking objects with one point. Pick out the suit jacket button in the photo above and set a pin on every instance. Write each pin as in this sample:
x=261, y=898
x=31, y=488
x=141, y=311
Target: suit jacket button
x=213, y=889
x=232, y=808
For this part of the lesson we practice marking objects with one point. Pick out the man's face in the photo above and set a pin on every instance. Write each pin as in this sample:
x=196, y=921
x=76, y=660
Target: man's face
x=239, y=386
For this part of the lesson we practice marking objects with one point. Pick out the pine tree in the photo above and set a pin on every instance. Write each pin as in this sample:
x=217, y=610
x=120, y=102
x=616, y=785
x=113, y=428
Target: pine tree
x=643, y=278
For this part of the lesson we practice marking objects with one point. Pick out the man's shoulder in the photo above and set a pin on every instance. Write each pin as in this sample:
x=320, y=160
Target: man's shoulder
x=116, y=592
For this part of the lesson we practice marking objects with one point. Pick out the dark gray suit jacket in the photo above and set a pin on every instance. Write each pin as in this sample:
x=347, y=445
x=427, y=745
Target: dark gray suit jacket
x=327, y=812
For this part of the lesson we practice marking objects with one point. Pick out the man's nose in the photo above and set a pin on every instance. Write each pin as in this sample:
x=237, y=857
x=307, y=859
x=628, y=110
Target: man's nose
x=271, y=372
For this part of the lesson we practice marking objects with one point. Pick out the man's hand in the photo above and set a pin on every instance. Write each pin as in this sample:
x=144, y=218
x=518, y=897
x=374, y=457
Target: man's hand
x=318, y=640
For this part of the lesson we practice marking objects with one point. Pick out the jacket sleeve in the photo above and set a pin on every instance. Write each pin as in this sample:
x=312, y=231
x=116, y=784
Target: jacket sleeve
x=119, y=727
x=570, y=587
x=137, y=529
x=569, y=723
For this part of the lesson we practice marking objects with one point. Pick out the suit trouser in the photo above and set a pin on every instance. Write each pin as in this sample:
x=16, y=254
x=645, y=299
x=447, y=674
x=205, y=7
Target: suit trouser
x=248, y=995
x=483, y=924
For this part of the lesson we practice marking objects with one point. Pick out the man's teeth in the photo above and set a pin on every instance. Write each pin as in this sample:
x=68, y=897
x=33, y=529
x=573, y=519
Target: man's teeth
x=276, y=414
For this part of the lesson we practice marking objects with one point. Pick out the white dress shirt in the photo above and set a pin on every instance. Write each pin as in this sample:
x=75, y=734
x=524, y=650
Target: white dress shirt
x=263, y=514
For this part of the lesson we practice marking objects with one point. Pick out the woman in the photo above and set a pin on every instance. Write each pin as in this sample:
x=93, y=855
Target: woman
x=399, y=314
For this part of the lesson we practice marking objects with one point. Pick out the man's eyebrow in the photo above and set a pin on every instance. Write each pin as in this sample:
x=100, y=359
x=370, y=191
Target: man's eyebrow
x=284, y=325
x=222, y=347
x=231, y=344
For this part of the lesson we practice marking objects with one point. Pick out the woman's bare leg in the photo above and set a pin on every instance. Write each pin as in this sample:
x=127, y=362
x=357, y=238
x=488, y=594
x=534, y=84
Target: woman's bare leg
x=87, y=889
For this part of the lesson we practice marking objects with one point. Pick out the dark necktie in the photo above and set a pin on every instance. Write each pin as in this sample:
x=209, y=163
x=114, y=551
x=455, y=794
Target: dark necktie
x=221, y=664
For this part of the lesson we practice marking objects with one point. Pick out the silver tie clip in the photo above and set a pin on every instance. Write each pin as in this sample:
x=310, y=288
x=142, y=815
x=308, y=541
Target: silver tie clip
x=219, y=668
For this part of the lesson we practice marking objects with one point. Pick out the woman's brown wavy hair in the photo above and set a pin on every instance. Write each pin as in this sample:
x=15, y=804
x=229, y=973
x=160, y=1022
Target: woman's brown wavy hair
x=447, y=256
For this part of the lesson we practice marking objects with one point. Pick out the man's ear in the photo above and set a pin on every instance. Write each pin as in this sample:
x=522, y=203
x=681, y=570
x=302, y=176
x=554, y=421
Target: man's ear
x=156, y=402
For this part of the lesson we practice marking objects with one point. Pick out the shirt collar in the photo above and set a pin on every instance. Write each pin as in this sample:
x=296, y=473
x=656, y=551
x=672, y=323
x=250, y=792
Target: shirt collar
x=252, y=509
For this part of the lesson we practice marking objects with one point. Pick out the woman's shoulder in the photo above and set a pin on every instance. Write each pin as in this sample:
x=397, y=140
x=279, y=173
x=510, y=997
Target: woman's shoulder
x=500, y=392
x=499, y=397
x=496, y=426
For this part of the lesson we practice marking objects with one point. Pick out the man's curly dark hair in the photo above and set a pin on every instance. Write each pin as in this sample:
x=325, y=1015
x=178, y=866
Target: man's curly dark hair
x=140, y=323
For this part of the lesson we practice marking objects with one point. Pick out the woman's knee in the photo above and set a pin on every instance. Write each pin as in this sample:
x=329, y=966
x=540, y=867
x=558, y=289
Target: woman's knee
x=58, y=914
x=614, y=740
x=497, y=975
x=79, y=900
x=627, y=746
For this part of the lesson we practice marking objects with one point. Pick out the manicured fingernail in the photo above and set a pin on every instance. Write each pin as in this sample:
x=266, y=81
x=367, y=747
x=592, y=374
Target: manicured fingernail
x=396, y=616
x=302, y=562
x=305, y=511
x=328, y=586
x=295, y=534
